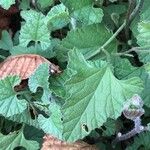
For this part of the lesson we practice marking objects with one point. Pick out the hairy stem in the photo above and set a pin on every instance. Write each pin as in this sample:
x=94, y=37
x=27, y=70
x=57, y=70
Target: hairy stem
x=135, y=49
x=131, y=17
x=108, y=41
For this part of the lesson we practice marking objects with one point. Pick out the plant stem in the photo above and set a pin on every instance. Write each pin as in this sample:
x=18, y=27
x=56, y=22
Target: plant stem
x=132, y=16
x=135, y=49
x=108, y=41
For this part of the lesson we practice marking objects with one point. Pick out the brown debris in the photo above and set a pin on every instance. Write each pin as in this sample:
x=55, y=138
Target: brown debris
x=5, y=16
x=24, y=65
x=51, y=143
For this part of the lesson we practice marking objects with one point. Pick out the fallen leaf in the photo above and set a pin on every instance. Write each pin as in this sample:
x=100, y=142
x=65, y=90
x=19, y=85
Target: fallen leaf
x=52, y=143
x=24, y=65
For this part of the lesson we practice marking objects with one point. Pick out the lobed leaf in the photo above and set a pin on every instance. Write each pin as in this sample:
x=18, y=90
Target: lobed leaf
x=16, y=139
x=34, y=29
x=95, y=95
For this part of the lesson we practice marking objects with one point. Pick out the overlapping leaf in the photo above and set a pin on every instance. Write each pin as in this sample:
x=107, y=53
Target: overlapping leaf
x=57, y=17
x=53, y=124
x=21, y=65
x=88, y=15
x=45, y=3
x=16, y=139
x=40, y=79
x=76, y=4
x=95, y=95
x=34, y=29
x=87, y=39
x=9, y=103
x=124, y=70
x=6, y=42
x=6, y=3
x=25, y=117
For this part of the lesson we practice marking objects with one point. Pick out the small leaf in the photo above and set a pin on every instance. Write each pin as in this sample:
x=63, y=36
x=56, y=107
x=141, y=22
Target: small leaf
x=8, y=97
x=40, y=79
x=15, y=139
x=53, y=124
x=24, y=117
x=34, y=29
x=95, y=94
x=6, y=3
x=57, y=17
x=6, y=42
x=76, y=4
x=88, y=15
x=45, y=3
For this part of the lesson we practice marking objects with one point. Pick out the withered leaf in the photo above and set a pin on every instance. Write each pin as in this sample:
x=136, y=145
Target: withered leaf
x=24, y=65
x=52, y=143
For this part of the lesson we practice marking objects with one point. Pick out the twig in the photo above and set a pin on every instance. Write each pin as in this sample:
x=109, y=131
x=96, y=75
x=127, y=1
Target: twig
x=132, y=16
x=135, y=49
x=108, y=41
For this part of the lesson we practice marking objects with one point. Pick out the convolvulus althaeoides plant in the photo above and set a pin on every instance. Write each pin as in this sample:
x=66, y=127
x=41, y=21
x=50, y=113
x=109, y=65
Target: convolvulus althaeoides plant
x=133, y=110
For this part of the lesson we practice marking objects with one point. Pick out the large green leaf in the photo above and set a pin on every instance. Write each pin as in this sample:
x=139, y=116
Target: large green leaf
x=13, y=140
x=53, y=124
x=95, y=95
x=34, y=29
x=87, y=39
x=40, y=79
x=57, y=17
x=6, y=3
x=88, y=15
x=9, y=103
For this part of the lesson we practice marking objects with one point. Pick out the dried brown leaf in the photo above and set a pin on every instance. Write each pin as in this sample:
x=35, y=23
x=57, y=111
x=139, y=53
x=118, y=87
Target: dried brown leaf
x=24, y=65
x=51, y=143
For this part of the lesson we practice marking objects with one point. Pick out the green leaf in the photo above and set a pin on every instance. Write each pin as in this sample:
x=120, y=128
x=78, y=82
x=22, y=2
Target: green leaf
x=95, y=94
x=34, y=29
x=6, y=3
x=24, y=117
x=141, y=141
x=76, y=4
x=15, y=139
x=124, y=70
x=87, y=39
x=18, y=50
x=9, y=103
x=40, y=79
x=144, y=33
x=53, y=124
x=57, y=17
x=112, y=126
x=24, y=4
x=88, y=15
x=6, y=42
x=45, y=3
